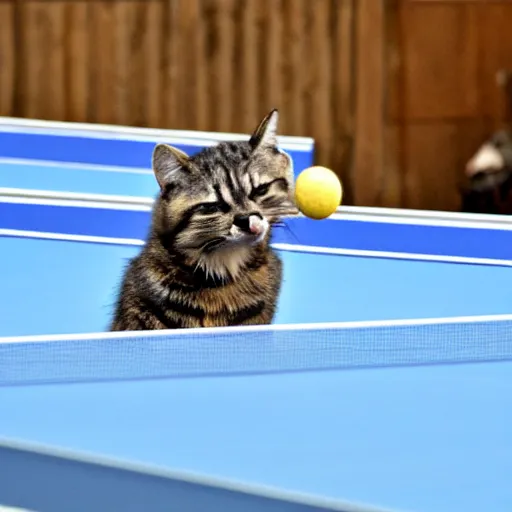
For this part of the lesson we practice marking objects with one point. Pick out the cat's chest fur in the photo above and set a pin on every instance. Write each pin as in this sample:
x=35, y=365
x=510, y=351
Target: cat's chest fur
x=252, y=294
x=159, y=296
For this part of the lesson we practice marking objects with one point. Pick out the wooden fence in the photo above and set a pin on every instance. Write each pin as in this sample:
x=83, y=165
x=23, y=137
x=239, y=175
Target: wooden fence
x=443, y=99
x=185, y=64
x=395, y=102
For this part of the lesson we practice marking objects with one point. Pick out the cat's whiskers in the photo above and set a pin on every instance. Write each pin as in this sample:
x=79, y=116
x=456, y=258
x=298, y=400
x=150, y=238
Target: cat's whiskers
x=212, y=244
x=283, y=213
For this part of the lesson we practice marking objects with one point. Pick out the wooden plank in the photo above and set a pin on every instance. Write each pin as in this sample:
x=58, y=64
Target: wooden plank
x=342, y=86
x=52, y=26
x=319, y=70
x=78, y=65
x=153, y=64
x=392, y=182
x=103, y=104
x=403, y=102
x=209, y=52
x=171, y=63
x=222, y=59
x=194, y=83
x=495, y=54
x=343, y=60
x=441, y=67
x=246, y=65
x=429, y=183
x=394, y=58
x=42, y=56
x=369, y=123
x=125, y=68
x=295, y=73
x=133, y=78
x=272, y=53
x=260, y=22
x=395, y=136
x=7, y=58
x=132, y=58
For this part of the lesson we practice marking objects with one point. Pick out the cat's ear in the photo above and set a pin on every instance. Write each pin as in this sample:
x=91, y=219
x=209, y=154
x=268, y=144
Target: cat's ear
x=168, y=164
x=266, y=133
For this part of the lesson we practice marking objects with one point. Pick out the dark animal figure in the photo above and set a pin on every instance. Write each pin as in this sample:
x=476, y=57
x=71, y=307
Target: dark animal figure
x=488, y=187
x=489, y=175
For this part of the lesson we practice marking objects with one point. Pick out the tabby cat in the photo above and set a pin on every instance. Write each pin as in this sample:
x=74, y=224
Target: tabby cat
x=207, y=260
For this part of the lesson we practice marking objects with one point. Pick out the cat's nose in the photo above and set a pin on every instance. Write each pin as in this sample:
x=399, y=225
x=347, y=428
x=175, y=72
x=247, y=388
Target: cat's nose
x=251, y=223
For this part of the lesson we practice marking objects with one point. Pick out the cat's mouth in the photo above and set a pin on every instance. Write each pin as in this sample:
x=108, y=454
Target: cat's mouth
x=246, y=230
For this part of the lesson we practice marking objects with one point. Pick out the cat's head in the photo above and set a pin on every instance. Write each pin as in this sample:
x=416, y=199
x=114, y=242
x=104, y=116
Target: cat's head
x=219, y=204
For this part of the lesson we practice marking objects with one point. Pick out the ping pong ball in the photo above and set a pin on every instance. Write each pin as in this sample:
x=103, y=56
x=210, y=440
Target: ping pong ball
x=318, y=192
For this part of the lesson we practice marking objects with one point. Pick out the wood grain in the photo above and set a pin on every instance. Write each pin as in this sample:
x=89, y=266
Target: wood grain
x=77, y=61
x=7, y=57
x=395, y=104
x=369, y=129
x=42, y=57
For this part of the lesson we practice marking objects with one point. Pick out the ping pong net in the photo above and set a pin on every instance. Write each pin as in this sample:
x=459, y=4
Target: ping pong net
x=253, y=350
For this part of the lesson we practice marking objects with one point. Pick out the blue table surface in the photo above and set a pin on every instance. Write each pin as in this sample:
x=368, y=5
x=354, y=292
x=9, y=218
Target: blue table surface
x=70, y=287
x=83, y=179
x=95, y=174
x=116, y=149
x=422, y=439
x=412, y=439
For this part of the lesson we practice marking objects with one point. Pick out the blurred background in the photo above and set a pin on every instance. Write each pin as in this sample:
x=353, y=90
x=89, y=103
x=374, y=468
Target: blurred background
x=399, y=95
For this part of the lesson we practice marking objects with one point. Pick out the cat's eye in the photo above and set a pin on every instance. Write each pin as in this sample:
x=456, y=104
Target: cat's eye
x=260, y=190
x=210, y=208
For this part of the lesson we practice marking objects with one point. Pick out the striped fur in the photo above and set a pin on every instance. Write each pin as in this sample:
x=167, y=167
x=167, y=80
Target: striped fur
x=207, y=261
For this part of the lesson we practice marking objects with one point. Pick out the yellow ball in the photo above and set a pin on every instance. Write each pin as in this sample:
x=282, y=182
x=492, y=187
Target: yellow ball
x=318, y=192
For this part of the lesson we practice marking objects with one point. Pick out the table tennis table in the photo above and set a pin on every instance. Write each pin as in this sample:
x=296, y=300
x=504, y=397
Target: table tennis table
x=385, y=383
